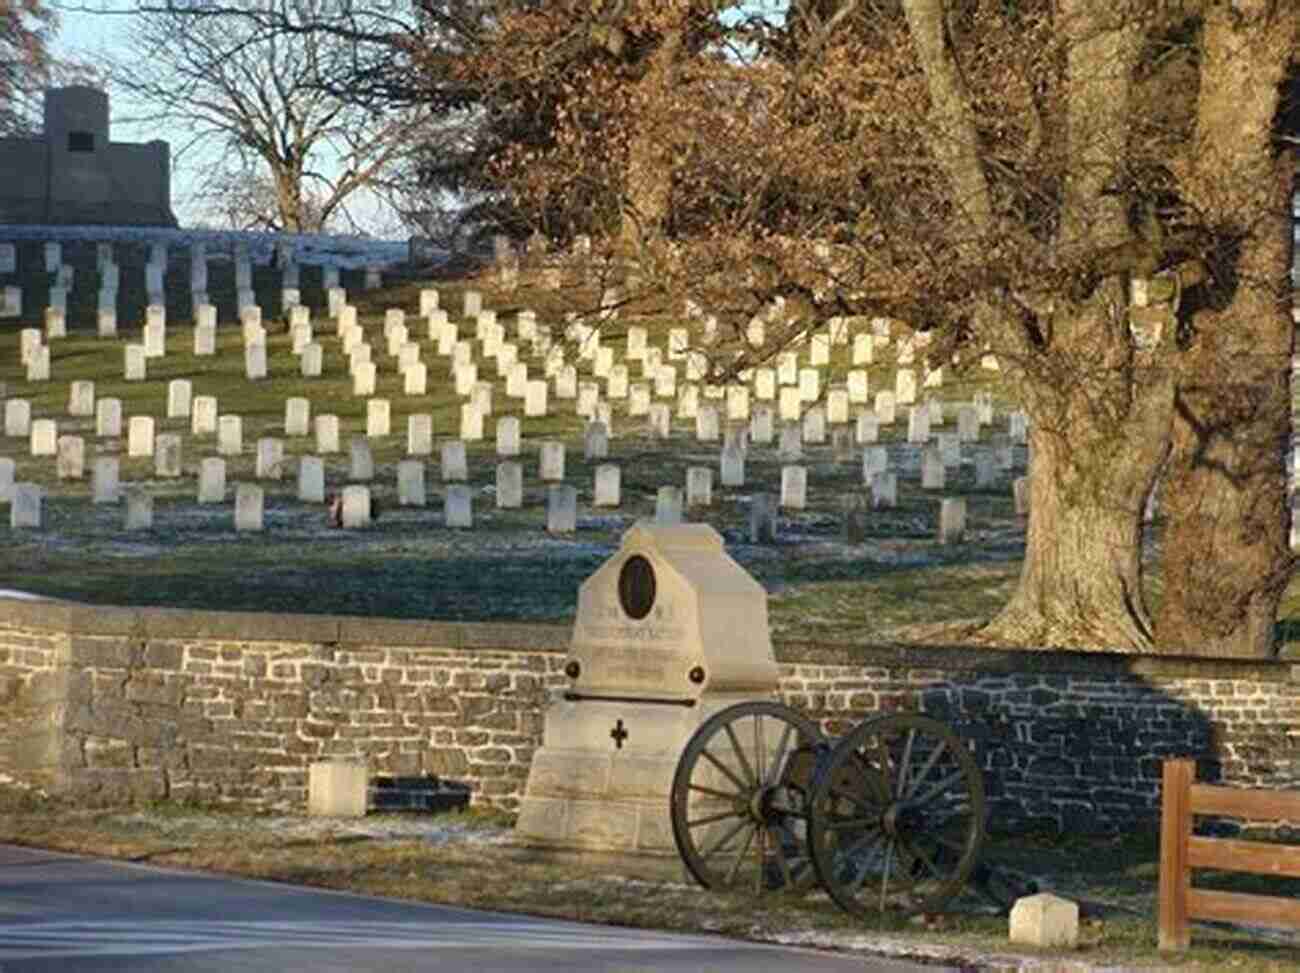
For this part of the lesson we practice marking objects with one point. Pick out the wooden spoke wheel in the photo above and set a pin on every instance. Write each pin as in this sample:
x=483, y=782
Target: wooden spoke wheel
x=896, y=816
x=739, y=799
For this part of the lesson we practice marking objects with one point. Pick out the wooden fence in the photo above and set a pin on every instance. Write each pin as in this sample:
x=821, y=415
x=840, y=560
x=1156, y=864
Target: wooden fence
x=1181, y=851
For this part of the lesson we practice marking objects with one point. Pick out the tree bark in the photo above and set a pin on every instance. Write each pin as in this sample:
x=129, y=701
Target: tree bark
x=649, y=177
x=1226, y=549
x=1098, y=435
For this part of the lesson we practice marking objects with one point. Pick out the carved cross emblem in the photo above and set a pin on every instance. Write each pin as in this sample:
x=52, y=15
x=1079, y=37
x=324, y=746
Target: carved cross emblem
x=618, y=734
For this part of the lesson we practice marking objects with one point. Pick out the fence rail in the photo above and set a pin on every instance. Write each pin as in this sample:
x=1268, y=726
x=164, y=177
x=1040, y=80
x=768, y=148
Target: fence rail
x=1181, y=851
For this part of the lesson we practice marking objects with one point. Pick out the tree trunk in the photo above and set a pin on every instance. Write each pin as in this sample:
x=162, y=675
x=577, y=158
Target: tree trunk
x=1226, y=551
x=649, y=176
x=1096, y=443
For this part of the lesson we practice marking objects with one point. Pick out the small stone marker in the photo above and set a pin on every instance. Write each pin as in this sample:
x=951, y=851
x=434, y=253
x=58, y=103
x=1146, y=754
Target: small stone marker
x=270, y=458
x=510, y=485
x=106, y=485
x=552, y=461
x=7, y=470
x=356, y=507
x=508, y=436
x=255, y=361
x=81, y=398
x=180, y=394
x=410, y=483
x=134, y=362
x=18, y=418
x=668, y=506
x=212, y=480
x=108, y=417
x=952, y=520
x=762, y=519
x=327, y=434
x=139, y=509
x=378, y=418
x=230, y=435
x=336, y=789
x=140, y=436
x=455, y=467
x=608, y=486
x=297, y=416
x=791, y=447
x=932, y=469
x=71, y=462
x=44, y=437
x=561, y=509
x=699, y=486
x=249, y=505
x=458, y=509
x=167, y=455
x=794, y=487
x=205, y=340
x=419, y=434
x=884, y=490
x=362, y=462
x=25, y=505
x=732, y=466
x=311, y=479
x=1046, y=921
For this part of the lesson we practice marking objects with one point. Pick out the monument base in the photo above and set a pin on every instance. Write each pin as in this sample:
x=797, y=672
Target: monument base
x=603, y=776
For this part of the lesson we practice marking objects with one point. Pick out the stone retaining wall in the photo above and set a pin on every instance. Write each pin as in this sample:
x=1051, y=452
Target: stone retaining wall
x=113, y=705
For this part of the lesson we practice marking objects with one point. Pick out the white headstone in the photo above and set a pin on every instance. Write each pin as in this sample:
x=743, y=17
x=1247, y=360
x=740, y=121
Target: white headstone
x=551, y=461
x=918, y=424
x=458, y=509
x=668, y=505
x=454, y=464
x=327, y=433
x=139, y=509
x=297, y=416
x=814, y=425
x=205, y=340
x=71, y=458
x=255, y=361
x=510, y=485
x=361, y=464
x=203, y=416
x=212, y=480
x=379, y=418
x=561, y=509
x=311, y=360
x=885, y=408
x=932, y=469
x=699, y=486
x=81, y=398
x=905, y=386
x=230, y=435
x=249, y=504
x=794, y=487
x=18, y=418
x=179, y=398
x=410, y=483
x=419, y=434
x=607, y=486
x=311, y=479
x=270, y=458
x=38, y=364
x=25, y=505
x=107, y=487
x=508, y=436
x=884, y=490
x=140, y=436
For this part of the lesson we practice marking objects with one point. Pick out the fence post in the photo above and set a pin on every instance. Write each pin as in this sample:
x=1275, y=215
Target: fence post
x=1175, y=830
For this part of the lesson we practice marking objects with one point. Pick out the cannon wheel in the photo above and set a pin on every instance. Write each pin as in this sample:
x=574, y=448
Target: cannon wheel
x=908, y=836
x=740, y=796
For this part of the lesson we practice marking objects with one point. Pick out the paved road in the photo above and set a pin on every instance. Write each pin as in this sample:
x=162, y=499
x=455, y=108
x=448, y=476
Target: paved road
x=71, y=914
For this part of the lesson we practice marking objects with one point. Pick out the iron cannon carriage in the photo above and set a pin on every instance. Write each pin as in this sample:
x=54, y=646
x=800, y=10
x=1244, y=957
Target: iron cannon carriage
x=889, y=817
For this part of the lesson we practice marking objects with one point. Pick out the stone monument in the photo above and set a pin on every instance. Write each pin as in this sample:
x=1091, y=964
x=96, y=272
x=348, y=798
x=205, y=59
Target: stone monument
x=668, y=631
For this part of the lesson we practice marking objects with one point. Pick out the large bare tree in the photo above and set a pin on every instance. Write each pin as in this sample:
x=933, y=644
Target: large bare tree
x=1098, y=193
x=26, y=28
x=261, y=101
